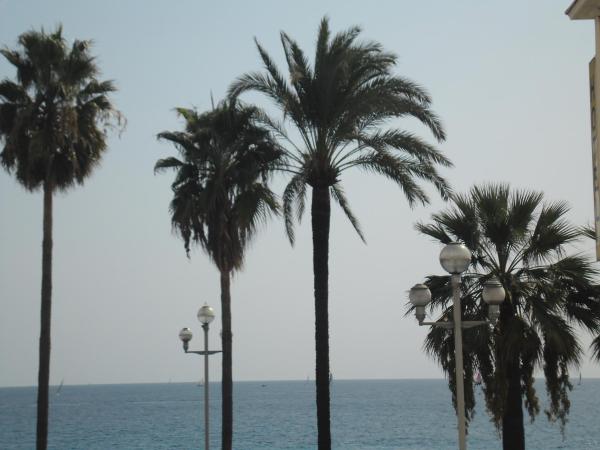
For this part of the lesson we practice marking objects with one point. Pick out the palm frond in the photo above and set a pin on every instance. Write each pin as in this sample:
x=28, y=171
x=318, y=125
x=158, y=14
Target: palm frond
x=596, y=348
x=295, y=191
x=338, y=195
x=395, y=169
x=167, y=163
x=588, y=232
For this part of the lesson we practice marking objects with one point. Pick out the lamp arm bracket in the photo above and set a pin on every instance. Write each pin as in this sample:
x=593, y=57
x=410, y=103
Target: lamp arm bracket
x=440, y=324
x=449, y=324
x=474, y=323
x=202, y=352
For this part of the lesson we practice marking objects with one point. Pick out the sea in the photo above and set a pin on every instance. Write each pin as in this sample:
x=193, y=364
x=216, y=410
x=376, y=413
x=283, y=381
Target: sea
x=279, y=415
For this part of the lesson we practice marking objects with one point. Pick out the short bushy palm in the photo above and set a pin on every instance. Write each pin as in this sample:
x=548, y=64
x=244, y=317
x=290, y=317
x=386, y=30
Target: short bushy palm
x=220, y=197
x=341, y=106
x=516, y=237
x=53, y=122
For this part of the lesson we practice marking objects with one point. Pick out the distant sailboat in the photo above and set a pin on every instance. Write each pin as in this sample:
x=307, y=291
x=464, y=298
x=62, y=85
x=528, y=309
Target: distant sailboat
x=579, y=384
x=201, y=382
x=57, y=393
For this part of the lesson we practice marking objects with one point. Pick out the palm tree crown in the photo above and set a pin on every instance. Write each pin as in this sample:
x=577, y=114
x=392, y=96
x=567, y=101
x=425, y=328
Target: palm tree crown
x=338, y=106
x=50, y=116
x=220, y=191
x=516, y=237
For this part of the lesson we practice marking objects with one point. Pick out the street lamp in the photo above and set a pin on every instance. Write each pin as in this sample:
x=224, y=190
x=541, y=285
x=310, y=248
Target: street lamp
x=420, y=296
x=205, y=315
x=493, y=294
x=455, y=258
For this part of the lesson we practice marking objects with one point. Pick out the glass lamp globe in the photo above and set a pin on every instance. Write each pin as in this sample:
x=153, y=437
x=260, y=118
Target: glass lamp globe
x=493, y=292
x=455, y=258
x=185, y=334
x=419, y=296
x=206, y=314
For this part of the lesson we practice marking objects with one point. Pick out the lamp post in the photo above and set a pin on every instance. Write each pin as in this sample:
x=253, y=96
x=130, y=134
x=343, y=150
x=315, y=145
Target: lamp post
x=205, y=315
x=455, y=258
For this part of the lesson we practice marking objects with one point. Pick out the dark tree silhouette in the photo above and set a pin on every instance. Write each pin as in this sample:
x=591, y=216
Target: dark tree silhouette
x=340, y=106
x=220, y=197
x=53, y=123
x=517, y=238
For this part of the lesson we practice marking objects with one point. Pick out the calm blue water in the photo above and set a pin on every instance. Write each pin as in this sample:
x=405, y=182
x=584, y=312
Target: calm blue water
x=366, y=415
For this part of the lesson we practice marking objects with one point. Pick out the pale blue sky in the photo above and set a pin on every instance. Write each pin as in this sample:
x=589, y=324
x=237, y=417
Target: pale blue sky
x=509, y=80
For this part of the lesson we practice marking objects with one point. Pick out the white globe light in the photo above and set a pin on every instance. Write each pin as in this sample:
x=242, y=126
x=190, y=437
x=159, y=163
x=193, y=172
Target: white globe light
x=185, y=334
x=206, y=314
x=493, y=292
x=419, y=295
x=455, y=258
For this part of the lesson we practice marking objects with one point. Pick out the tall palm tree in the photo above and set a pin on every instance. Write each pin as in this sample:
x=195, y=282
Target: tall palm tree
x=220, y=197
x=522, y=241
x=54, y=119
x=340, y=106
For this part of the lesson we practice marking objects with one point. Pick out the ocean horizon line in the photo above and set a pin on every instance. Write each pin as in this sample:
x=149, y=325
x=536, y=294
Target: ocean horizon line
x=129, y=383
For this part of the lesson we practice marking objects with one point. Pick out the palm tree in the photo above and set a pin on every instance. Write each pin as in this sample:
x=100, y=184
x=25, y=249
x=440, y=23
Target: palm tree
x=220, y=197
x=522, y=241
x=53, y=126
x=339, y=106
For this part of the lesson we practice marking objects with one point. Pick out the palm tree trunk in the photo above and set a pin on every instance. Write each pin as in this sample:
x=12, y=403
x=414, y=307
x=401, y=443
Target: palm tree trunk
x=227, y=378
x=46, y=309
x=513, y=431
x=321, y=212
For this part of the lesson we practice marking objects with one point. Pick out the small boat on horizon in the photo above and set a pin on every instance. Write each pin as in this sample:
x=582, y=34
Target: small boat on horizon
x=57, y=393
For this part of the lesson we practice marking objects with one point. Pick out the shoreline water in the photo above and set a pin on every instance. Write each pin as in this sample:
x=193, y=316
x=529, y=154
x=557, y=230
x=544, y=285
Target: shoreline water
x=280, y=415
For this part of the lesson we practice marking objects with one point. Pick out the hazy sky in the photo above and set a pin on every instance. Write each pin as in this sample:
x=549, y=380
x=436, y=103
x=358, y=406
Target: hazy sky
x=509, y=79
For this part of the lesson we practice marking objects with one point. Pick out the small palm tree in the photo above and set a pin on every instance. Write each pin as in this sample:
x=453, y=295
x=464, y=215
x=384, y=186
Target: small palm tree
x=220, y=197
x=522, y=241
x=340, y=106
x=53, y=126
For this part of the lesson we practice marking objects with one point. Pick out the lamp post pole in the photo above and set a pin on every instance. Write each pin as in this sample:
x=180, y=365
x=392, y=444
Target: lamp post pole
x=455, y=259
x=206, y=399
x=205, y=315
x=458, y=357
